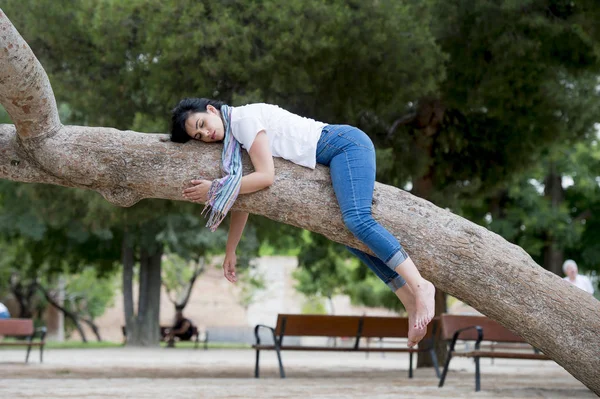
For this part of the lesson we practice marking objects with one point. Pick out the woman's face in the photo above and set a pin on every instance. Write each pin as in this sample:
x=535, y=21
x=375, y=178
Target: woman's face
x=205, y=126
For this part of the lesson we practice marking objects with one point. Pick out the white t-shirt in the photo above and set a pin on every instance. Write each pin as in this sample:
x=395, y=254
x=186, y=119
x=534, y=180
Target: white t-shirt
x=582, y=282
x=291, y=136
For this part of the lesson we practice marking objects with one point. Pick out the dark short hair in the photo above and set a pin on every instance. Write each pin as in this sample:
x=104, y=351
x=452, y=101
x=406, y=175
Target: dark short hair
x=183, y=110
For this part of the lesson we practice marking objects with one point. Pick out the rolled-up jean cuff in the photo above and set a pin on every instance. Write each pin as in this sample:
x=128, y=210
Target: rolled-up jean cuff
x=396, y=283
x=397, y=258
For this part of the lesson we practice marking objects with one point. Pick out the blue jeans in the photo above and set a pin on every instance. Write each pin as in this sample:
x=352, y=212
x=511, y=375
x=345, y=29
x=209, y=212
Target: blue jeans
x=350, y=155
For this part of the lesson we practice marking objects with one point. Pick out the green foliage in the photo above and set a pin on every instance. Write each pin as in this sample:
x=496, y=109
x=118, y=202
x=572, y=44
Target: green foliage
x=324, y=269
x=519, y=78
x=87, y=294
x=251, y=286
x=52, y=233
x=370, y=291
x=313, y=305
x=177, y=273
x=583, y=202
x=4, y=118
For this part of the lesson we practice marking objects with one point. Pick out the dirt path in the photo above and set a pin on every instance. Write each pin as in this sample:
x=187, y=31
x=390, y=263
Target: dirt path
x=227, y=374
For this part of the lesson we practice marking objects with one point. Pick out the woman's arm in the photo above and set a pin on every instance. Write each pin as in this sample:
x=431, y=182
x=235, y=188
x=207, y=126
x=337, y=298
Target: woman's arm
x=262, y=177
x=264, y=169
x=236, y=228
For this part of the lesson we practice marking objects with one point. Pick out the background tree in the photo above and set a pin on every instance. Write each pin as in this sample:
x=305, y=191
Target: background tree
x=85, y=296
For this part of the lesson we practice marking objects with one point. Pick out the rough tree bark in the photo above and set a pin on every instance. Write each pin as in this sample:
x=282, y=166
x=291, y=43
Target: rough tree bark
x=465, y=260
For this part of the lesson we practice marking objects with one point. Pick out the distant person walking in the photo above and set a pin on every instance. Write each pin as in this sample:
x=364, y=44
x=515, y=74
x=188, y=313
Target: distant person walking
x=573, y=276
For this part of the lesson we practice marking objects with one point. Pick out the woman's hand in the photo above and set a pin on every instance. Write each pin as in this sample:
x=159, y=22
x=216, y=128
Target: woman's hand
x=198, y=192
x=229, y=267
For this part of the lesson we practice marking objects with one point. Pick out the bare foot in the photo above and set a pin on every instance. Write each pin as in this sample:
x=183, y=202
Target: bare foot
x=424, y=304
x=415, y=335
x=407, y=297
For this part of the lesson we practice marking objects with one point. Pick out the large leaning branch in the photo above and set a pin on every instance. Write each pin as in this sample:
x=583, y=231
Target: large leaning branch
x=465, y=260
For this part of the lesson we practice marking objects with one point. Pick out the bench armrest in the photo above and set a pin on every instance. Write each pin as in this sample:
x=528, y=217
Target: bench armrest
x=41, y=331
x=258, y=326
x=457, y=333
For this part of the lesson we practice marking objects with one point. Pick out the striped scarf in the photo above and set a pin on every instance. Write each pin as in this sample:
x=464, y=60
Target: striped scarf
x=224, y=191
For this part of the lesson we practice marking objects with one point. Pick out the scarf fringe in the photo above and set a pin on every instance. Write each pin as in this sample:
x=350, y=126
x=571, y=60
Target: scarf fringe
x=224, y=191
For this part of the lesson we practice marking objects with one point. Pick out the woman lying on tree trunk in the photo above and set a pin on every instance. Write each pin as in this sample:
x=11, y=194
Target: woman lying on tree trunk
x=266, y=131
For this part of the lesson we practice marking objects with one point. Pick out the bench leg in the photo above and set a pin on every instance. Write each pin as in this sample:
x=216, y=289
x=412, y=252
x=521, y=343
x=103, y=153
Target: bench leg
x=256, y=366
x=477, y=376
x=410, y=365
x=42, y=354
x=443, y=377
x=435, y=362
x=27, y=355
x=281, y=372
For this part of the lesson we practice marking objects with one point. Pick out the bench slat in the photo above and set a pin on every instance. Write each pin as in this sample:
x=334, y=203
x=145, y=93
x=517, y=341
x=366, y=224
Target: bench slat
x=333, y=349
x=16, y=327
x=24, y=343
x=492, y=330
x=317, y=325
x=503, y=355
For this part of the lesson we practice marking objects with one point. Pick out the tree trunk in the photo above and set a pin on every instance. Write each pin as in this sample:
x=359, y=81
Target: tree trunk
x=463, y=259
x=128, y=260
x=23, y=293
x=553, y=191
x=149, y=297
x=154, y=287
x=143, y=328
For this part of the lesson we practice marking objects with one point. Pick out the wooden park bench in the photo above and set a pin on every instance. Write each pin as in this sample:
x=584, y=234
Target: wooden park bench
x=23, y=328
x=201, y=335
x=356, y=327
x=499, y=342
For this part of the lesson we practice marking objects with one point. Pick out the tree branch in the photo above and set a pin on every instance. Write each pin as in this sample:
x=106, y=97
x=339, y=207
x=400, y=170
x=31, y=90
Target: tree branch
x=25, y=90
x=70, y=315
x=199, y=269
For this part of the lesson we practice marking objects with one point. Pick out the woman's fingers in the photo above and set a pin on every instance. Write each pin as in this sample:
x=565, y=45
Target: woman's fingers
x=196, y=193
x=230, y=276
x=229, y=271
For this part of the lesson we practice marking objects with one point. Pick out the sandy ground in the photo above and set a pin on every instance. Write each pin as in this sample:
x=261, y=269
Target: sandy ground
x=228, y=374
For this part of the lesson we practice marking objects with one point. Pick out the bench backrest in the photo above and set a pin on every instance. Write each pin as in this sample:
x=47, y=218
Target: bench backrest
x=392, y=327
x=317, y=325
x=492, y=330
x=16, y=327
x=342, y=326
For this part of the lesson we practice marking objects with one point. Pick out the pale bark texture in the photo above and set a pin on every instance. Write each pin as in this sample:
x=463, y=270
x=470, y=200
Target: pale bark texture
x=463, y=259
